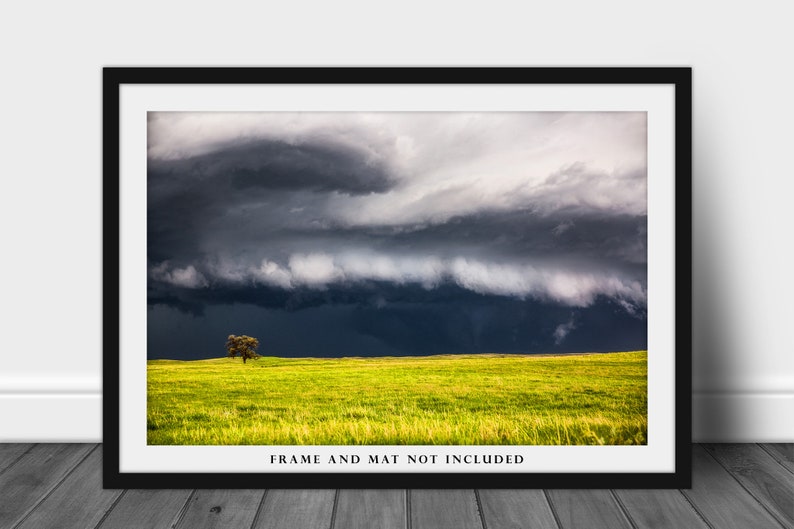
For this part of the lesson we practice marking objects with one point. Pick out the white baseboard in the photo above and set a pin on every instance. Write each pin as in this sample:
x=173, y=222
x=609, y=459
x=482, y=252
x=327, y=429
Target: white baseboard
x=51, y=417
x=716, y=417
x=743, y=417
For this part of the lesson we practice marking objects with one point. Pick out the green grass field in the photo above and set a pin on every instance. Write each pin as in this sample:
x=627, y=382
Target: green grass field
x=463, y=400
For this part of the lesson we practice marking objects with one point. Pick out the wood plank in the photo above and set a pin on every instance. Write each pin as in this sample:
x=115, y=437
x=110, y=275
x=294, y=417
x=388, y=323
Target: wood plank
x=659, y=509
x=290, y=509
x=762, y=476
x=370, y=509
x=444, y=509
x=594, y=509
x=147, y=509
x=720, y=498
x=782, y=452
x=516, y=509
x=228, y=508
x=78, y=502
x=36, y=473
x=9, y=453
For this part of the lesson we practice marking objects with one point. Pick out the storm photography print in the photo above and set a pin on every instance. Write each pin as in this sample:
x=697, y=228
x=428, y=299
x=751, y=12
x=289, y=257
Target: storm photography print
x=409, y=278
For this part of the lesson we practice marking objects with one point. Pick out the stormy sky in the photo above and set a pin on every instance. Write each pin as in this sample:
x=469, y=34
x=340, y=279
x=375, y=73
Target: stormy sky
x=366, y=234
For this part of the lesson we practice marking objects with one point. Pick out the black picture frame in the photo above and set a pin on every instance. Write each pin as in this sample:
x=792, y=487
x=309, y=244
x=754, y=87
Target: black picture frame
x=116, y=78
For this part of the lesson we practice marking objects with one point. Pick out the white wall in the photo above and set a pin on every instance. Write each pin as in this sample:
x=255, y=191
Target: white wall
x=50, y=191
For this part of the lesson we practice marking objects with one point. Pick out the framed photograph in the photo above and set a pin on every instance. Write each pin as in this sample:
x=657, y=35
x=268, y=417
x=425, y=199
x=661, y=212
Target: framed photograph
x=397, y=277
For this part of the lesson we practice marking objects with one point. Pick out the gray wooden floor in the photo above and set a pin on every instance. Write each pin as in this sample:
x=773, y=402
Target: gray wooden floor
x=745, y=486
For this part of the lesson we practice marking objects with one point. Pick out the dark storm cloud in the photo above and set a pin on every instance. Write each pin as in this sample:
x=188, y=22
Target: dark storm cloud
x=289, y=223
x=455, y=230
x=260, y=165
x=466, y=324
x=519, y=234
x=508, y=253
x=365, y=295
x=218, y=193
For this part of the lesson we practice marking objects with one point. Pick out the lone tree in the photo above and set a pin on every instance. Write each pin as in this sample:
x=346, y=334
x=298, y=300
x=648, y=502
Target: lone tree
x=243, y=346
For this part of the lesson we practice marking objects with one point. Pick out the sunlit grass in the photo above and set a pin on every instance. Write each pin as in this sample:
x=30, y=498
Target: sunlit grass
x=466, y=400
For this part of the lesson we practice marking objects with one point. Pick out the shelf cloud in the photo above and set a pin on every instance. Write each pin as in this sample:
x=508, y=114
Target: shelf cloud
x=319, y=270
x=538, y=208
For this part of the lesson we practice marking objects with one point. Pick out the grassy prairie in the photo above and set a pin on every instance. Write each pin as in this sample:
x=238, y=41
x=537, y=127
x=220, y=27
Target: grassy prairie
x=465, y=400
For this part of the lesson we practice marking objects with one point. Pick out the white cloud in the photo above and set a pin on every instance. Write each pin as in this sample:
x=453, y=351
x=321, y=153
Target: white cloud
x=562, y=227
x=540, y=281
x=187, y=277
x=571, y=288
x=315, y=269
x=272, y=274
x=427, y=270
x=562, y=331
